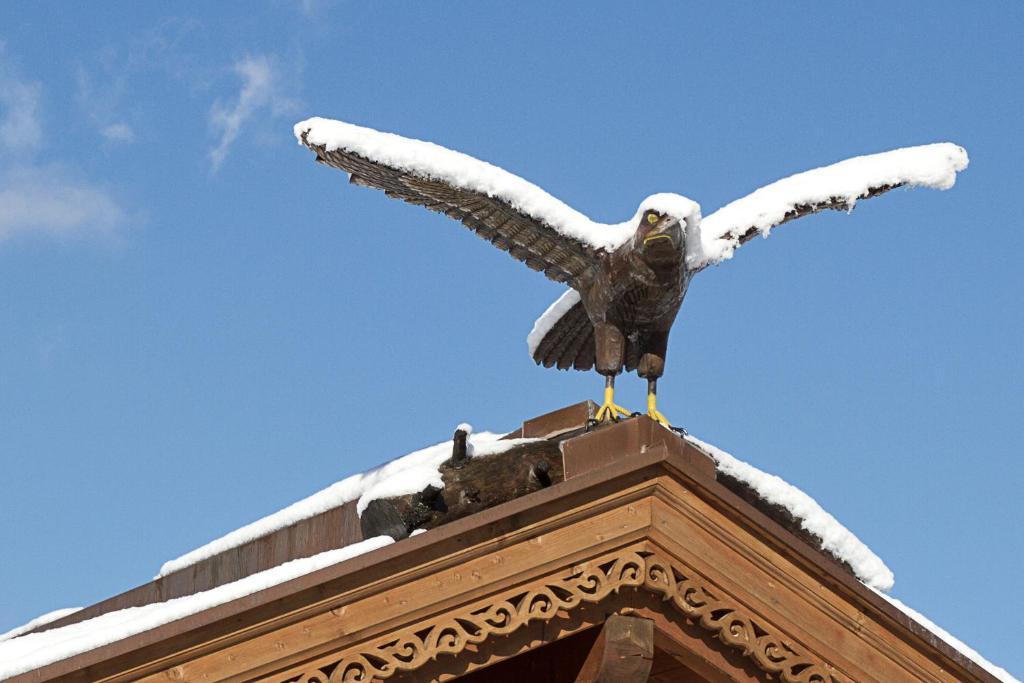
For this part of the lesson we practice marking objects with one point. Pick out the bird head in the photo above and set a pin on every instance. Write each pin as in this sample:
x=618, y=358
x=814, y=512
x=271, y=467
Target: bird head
x=663, y=220
x=656, y=230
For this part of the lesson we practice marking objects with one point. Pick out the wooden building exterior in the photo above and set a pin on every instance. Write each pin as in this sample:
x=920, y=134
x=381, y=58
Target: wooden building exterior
x=609, y=555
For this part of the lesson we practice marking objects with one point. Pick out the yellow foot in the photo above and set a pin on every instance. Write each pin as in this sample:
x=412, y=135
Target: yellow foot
x=609, y=410
x=659, y=418
x=654, y=413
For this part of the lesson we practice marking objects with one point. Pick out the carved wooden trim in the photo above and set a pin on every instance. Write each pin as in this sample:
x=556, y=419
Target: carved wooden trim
x=690, y=595
x=732, y=625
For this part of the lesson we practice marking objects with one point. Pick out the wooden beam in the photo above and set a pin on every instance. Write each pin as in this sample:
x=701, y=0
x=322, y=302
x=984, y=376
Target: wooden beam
x=622, y=653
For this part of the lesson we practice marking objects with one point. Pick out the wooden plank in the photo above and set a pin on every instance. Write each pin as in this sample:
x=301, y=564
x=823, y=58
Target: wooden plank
x=622, y=653
x=559, y=421
x=668, y=669
x=757, y=577
x=630, y=438
x=408, y=600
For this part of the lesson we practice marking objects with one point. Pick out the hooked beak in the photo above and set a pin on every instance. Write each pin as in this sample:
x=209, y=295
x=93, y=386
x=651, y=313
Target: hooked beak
x=669, y=231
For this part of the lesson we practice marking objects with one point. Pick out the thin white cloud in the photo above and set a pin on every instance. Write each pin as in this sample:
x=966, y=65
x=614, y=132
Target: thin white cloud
x=100, y=101
x=110, y=81
x=313, y=9
x=47, y=201
x=118, y=132
x=261, y=91
x=19, y=119
x=40, y=199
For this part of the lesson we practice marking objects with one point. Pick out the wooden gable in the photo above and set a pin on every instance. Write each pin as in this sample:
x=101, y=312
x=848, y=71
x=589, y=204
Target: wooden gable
x=640, y=565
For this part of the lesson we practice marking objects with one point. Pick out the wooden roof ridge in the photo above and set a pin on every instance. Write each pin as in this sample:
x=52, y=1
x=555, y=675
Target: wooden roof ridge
x=331, y=529
x=342, y=526
x=593, y=465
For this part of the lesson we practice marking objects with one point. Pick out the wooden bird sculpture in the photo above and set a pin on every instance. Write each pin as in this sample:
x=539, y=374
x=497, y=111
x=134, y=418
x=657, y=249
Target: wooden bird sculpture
x=627, y=280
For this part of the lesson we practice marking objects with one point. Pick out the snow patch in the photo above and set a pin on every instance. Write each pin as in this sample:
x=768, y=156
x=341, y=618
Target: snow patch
x=964, y=649
x=34, y=650
x=836, y=539
x=38, y=621
x=429, y=160
x=549, y=317
x=669, y=204
x=402, y=476
x=933, y=166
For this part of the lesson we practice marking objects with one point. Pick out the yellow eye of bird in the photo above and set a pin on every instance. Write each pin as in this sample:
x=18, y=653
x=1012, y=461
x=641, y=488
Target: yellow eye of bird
x=652, y=218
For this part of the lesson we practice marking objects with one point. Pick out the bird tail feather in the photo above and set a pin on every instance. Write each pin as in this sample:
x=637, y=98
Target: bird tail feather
x=569, y=343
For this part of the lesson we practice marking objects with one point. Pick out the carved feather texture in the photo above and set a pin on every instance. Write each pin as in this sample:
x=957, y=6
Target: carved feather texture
x=526, y=239
x=569, y=343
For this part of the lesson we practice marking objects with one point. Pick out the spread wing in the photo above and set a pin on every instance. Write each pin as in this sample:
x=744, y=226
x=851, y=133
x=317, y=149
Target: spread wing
x=838, y=186
x=511, y=213
x=563, y=337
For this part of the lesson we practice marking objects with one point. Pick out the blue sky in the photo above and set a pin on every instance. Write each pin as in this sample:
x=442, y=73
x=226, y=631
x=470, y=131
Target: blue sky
x=199, y=325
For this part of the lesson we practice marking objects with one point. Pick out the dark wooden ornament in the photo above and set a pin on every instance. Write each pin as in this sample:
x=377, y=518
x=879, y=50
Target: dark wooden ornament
x=381, y=518
x=470, y=485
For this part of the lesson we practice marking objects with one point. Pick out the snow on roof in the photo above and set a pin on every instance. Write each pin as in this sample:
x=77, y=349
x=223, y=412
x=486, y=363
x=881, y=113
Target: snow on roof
x=41, y=620
x=461, y=170
x=403, y=476
x=35, y=650
x=836, y=539
x=417, y=470
x=1000, y=673
x=933, y=166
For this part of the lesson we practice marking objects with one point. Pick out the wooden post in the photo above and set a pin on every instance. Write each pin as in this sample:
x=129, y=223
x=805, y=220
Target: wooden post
x=622, y=653
x=459, y=451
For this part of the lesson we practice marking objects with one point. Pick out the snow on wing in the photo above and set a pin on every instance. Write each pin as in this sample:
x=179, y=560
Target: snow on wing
x=560, y=337
x=838, y=186
x=506, y=210
x=563, y=336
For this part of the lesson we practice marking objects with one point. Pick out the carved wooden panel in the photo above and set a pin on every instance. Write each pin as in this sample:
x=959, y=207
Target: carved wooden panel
x=689, y=594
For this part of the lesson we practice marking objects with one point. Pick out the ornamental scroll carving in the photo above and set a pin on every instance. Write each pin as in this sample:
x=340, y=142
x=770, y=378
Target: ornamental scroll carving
x=690, y=595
